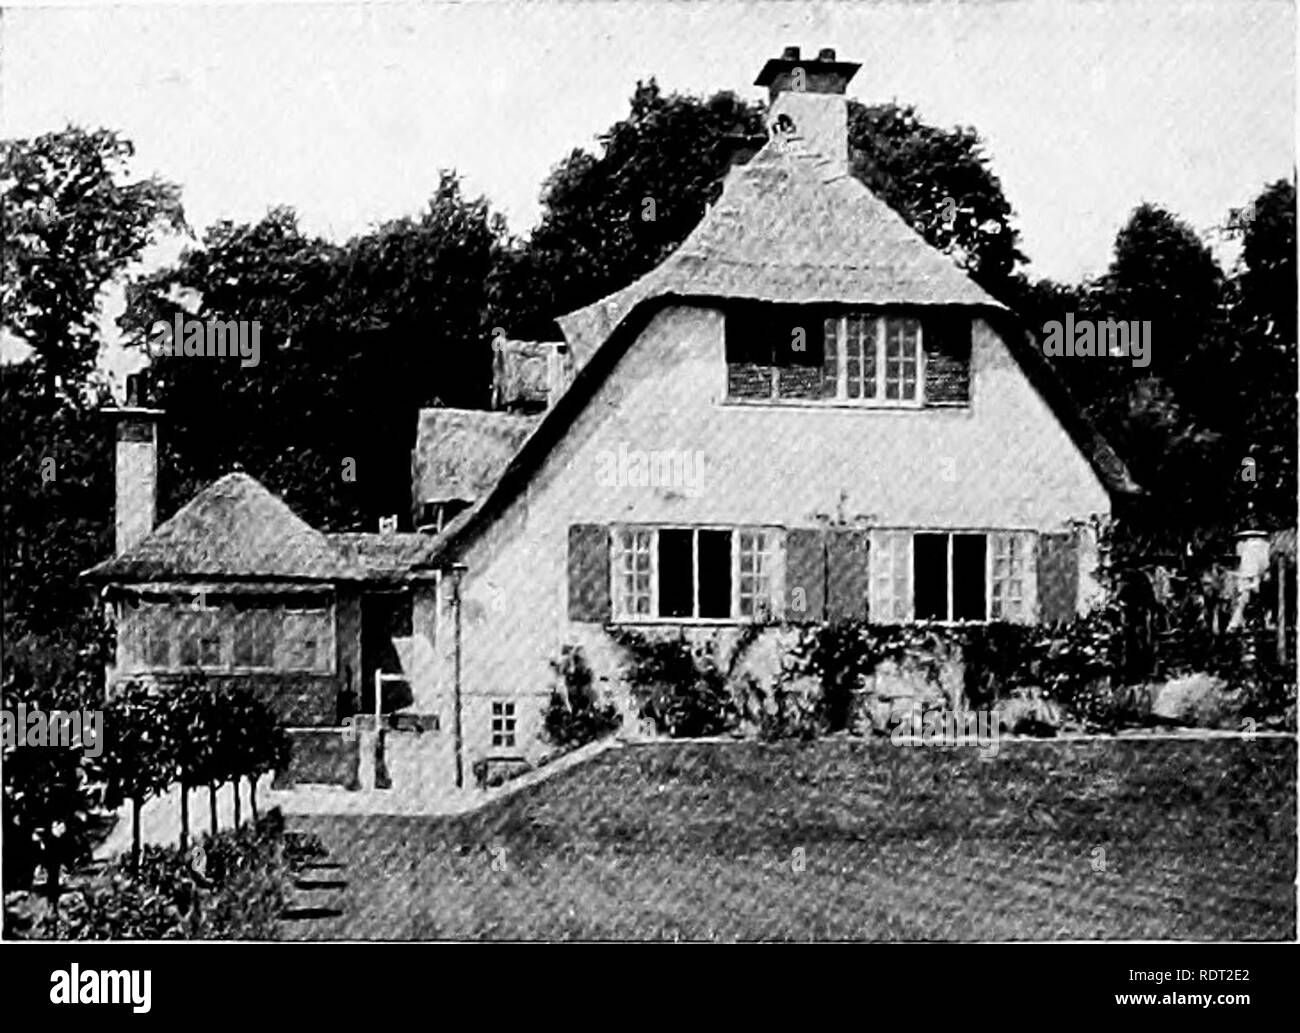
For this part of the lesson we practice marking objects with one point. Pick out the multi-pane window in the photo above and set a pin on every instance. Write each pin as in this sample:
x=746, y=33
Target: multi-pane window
x=157, y=636
x=223, y=634
x=754, y=577
x=254, y=635
x=797, y=353
x=503, y=724
x=694, y=573
x=902, y=359
x=952, y=576
x=304, y=640
x=849, y=361
x=891, y=577
x=209, y=638
x=872, y=359
x=1010, y=583
x=199, y=640
x=632, y=573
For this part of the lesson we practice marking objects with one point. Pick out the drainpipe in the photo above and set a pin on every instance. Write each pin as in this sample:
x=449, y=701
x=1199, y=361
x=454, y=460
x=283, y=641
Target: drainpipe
x=456, y=571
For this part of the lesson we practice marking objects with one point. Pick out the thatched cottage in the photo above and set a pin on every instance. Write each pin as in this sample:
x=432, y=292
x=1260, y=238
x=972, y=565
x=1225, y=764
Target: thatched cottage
x=870, y=436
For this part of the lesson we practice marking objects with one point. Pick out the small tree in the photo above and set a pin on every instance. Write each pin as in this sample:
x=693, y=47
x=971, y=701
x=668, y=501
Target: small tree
x=181, y=725
x=257, y=744
x=137, y=765
x=216, y=750
x=266, y=745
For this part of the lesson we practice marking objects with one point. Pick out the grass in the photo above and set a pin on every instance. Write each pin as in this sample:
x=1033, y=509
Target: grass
x=844, y=840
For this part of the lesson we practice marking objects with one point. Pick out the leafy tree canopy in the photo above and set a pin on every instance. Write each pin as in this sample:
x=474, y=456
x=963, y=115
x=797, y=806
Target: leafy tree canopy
x=72, y=221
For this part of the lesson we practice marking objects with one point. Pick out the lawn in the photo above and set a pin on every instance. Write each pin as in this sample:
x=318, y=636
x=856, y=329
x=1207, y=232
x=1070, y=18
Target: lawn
x=839, y=840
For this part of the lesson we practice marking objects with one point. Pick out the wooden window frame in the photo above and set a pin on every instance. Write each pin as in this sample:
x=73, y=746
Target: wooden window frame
x=250, y=614
x=886, y=539
x=773, y=537
x=508, y=727
x=880, y=323
x=327, y=646
x=838, y=340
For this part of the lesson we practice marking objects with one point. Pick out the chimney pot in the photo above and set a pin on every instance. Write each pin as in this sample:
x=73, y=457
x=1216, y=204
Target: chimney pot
x=808, y=100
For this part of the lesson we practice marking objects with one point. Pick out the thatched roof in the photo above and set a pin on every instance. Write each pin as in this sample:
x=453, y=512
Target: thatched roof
x=384, y=556
x=790, y=226
x=234, y=529
x=521, y=373
x=459, y=453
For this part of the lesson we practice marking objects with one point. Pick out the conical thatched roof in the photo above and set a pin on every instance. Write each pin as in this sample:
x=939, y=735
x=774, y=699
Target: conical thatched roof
x=792, y=227
x=234, y=529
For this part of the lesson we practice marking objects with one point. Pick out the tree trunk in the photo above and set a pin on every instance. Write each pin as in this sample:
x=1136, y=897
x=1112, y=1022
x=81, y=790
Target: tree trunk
x=52, y=890
x=136, y=804
x=185, y=817
x=234, y=786
x=212, y=805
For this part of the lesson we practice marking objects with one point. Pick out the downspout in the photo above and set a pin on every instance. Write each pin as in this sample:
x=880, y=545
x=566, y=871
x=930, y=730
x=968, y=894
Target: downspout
x=456, y=571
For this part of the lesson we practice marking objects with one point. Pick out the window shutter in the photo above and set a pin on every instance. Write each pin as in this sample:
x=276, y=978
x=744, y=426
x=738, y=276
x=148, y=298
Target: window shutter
x=848, y=574
x=1058, y=578
x=946, y=340
x=805, y=575
x=589, y=573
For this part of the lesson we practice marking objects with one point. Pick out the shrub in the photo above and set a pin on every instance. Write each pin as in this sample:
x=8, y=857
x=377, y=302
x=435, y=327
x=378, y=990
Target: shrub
x=786, y=711
x=842, y=655
x=229, y=886
x=998, y=658
x=50, y=793
x=1077, y=665
x=575, y=716
x=679, y=686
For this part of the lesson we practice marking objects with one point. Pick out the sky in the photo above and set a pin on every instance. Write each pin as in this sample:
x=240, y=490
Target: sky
x=347, y=111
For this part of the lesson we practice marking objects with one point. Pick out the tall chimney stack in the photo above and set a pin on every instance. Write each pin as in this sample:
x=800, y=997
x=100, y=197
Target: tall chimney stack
x=136, y=434
x=806, y=99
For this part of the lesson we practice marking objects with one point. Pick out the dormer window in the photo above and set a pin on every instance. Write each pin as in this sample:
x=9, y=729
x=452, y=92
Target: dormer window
x=873, y=359
x=877, y=359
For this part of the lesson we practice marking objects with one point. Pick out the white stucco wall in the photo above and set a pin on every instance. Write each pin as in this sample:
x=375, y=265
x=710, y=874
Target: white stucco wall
x=1004, y=462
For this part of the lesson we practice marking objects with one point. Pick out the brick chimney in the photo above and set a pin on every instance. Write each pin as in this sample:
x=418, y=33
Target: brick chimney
x=806, y=99
x=136, y=434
